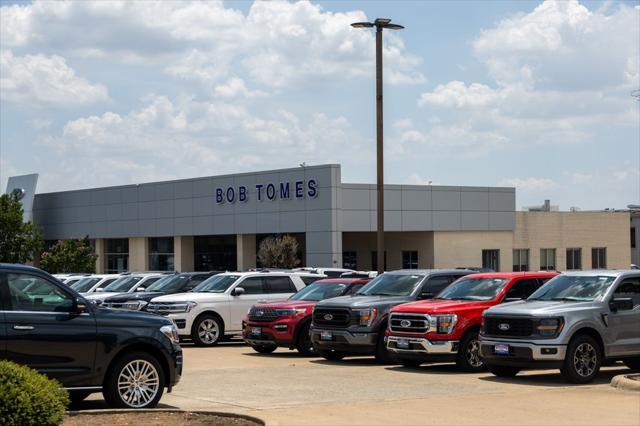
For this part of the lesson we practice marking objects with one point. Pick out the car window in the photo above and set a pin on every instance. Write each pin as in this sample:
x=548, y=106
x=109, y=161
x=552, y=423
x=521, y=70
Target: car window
x=523, y=289
x=252, y=285
x=85, y=284
x=353, y=289
x=149, y=281
x=629, y=288
x=306, y=279
x=106, y=282
x=280, y=285
x=436, y=284
x=40, y=295
x=333, y=274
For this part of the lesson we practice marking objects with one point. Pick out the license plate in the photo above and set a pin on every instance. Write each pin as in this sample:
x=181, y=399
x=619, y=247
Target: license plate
x=501, y=349
x=325, y=335
x=402, y=344
x=256, y=332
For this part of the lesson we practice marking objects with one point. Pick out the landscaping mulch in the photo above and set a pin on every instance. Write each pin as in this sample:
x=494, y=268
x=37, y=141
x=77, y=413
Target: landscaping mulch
x=156, y=419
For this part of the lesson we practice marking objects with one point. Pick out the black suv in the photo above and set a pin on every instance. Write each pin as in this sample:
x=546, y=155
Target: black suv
x=129, y=356
x=171, y=284
x=356, y=324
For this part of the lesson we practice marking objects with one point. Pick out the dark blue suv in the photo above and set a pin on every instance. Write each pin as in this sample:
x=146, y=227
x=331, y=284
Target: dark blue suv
x=131, y=357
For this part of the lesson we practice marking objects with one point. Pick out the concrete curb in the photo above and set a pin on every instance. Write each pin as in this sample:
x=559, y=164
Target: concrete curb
x=165, y=410
x=625, y=382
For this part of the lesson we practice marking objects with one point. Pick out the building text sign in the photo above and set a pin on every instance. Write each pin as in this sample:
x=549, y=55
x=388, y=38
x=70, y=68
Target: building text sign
x=299, y=190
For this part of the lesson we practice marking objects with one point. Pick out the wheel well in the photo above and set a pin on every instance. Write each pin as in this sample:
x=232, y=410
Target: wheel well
x=588, y=331
x=140, y=347
x=473, y=328
x=212, y=313
x=299, y=327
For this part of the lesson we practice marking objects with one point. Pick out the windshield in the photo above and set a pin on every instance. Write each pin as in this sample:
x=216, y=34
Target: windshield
x=319, y=291
x=168, y=284
x=85, y=284
x=573, y=288
x=473, y=289
x=216, y=284
x=391, y=285
x=123, y=284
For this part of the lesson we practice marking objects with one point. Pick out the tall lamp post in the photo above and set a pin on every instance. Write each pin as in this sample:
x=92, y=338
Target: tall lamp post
x=379, y=24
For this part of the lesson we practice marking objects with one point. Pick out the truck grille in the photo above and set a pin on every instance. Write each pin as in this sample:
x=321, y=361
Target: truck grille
x=259, y=314
x=332, y=317
x=508, y=327
x=166, y=308
x=409, y=323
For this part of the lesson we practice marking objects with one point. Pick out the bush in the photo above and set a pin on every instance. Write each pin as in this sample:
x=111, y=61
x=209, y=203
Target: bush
x=279, y=252
x=29, y=398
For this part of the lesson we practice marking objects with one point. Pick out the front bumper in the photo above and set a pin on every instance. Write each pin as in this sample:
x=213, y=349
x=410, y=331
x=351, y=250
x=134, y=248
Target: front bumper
x=183, y=322
x=345, y=341
x=523, y=354
x=279, y=333
x=421, y=346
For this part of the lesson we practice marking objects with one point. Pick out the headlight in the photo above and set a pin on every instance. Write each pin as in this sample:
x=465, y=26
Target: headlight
x=366, y=316
x=134, y=305
x=190, y=306
x=171, y=332
x=443, y=324
x=290, y=312
x=549, y=327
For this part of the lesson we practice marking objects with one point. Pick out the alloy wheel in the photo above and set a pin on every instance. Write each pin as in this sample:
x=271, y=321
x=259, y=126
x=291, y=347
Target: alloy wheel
x=208, y=331
x=585, y=359
x=473, y=354
x=138, y=383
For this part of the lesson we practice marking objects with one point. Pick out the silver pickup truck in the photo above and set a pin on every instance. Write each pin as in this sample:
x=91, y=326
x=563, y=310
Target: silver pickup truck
x=574, y=322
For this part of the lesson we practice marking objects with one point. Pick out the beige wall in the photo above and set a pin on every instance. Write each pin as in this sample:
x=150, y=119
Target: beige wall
x=138, y=254
x=246, y=251
x=457, y=249
x=395, y=242
x=100, y=260
x=183, y=253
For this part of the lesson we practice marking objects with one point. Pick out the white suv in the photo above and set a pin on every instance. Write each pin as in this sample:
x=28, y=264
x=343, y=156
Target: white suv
x=217, y=306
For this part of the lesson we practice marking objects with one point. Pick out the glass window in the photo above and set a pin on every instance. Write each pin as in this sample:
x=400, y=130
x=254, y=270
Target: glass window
x=491, y=259
x=574, y=259
x=568, y=288
x=374, y=261
x=31, y=293
x=320, y=291
x=215, y=253
x=520, y=260
x=389, y=284
x=280, y=285
x=116, y=255
x=409, y=260
x=548, y=259
x=169, y=284
x=308, y=279
x=599, y=258
x=473, y=289
x=523, y=289
x=161, y=257
x=354, y=288
x=252, y=285
x=85, y=284
x=633, y=237
x=350, y=260
x=123, y=284
x=435, y=285
x=629, y=288
x=216, y=284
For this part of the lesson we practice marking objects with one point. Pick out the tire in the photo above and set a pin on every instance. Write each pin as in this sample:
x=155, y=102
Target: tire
x=76, y=397
x=632, y=363
x=503, y=370
x=468, y=358
x=382, y=355
x=263, y=349
x=410, y=363
x=304, y=345
x=583, y=359
x=130, y=367
x=207, y=331
x=330, y=355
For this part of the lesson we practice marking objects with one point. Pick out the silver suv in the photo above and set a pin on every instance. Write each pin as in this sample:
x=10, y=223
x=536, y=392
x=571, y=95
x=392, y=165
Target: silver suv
x=574, y=322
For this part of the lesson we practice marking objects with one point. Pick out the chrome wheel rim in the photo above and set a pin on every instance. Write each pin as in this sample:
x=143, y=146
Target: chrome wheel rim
x=473, y=353
x=208, y=331
x=138, y=383
x=585, y=359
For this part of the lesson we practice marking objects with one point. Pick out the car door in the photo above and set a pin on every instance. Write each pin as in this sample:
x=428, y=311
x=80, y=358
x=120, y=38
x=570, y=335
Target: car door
x=45, y=331
x=254, y=291
x=624, y=325
x=279, y=288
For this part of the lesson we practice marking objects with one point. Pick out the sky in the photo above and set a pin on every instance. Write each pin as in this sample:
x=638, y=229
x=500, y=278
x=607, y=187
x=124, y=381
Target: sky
x=534, y=95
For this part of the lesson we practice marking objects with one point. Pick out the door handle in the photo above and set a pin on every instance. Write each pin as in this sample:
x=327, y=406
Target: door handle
x=23, y=327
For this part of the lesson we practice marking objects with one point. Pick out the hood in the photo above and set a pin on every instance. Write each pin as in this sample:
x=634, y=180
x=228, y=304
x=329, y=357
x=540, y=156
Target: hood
x=192, y=297
x=287, y=304
x=363, y=301
x=125, y=297
x=539, y=308
x=443, y=306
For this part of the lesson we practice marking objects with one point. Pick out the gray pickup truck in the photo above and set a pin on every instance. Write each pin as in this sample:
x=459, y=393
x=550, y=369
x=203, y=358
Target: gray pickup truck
x=356, y=324
x=575, y=322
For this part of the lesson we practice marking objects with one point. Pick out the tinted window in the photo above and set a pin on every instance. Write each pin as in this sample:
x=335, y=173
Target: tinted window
x=31, y=293
x=216, y=284
x=320, y=291
x=310, y=279
x=105, y=283
x=629, y=288
x=252, y=285
x=195, y=280
x=123, y=284
x=523, y=289
x=473, y=289
x=85, y=284
x=354, y=288
x=280, y=285
x=435, y=285
x=168, y=284
x=333, y=274
x=392, y=285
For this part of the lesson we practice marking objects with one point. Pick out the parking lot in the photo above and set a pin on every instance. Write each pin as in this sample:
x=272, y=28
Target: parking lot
x=286, y=389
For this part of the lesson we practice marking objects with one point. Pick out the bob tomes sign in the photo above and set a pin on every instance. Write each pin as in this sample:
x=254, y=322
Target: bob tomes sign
x=297, y=190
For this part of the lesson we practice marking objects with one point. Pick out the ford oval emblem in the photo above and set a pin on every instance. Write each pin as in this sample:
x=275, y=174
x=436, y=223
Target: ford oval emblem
x=328, y=317
x=405, y=323
x=18, y=193
x=259, y=313
x=504, y=326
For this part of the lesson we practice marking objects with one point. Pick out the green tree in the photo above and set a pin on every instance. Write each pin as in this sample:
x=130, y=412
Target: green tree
x=69, y=256
x=279, y=252
x=19, y=241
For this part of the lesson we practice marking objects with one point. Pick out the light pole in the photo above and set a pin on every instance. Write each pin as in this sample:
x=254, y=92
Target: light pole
x=379, y=24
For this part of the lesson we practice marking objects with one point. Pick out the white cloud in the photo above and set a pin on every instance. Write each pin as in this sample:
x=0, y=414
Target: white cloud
x=530, y=184
x=457, y=94
x=45, y=81
x=235, y=87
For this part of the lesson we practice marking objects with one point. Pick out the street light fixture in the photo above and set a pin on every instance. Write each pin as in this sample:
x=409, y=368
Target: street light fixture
x=379, y=24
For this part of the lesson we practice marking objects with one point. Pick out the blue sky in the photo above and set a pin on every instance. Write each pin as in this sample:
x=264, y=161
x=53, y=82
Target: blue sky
x=513, y=93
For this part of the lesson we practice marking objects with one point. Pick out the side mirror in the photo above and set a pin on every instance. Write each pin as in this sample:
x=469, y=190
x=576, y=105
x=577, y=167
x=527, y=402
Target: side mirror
x=621, y=304
x=425, y=295
x=79, y=306
x=140, y=289
x=237, y=291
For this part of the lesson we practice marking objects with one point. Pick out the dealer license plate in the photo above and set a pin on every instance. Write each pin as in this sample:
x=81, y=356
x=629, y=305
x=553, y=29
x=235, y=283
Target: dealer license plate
x=256, y=331
x=501, y=349
x=402, y=344
x=326, y=335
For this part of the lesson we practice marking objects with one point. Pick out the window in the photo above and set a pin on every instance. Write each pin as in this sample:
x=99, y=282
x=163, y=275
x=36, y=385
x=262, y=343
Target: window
x=374, y=261
x=548, y=259
x=520, y=260
x=574, y=259
x=350, y=260
x=116, y=255
x=633, y=237
x=599, y=258
x=252, y=285
x=161, y=254
x=354, y=288
x=491, y=259
x=215, y=253
x=523, y=289
x=629, y=287
x=196, y=280
x=435, y=285
x=280, y=285
x=409, y=260
x=308, y=279
x=31, y=293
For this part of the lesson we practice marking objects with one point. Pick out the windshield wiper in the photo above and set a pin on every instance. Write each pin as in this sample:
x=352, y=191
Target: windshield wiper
x=566, y=299
x=381, y=294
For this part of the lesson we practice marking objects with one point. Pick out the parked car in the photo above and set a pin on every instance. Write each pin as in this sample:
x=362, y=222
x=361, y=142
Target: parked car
x=575, y=322
x=216, y=308
x=446, y=328
x=125, y=284
x=356, y=324
x=92, y=283
x=171, y=284
x=328, y=272
x=286, y=324
x=131, y=357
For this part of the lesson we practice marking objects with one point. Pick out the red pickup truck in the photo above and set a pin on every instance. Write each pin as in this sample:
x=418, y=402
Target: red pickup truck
x=286, y=324
x=446, y=328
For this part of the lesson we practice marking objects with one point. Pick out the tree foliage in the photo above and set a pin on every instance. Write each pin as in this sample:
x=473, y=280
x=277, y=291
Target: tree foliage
x=19, y=241
x=279, y=252
x=69, y=256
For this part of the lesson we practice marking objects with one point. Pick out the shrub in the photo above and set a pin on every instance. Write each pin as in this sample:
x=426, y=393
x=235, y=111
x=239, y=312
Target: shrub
x=278, y=252
x=29, y=398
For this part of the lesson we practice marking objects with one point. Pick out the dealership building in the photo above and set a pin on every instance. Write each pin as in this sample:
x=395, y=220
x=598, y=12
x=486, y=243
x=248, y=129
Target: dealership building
x=218, y=222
